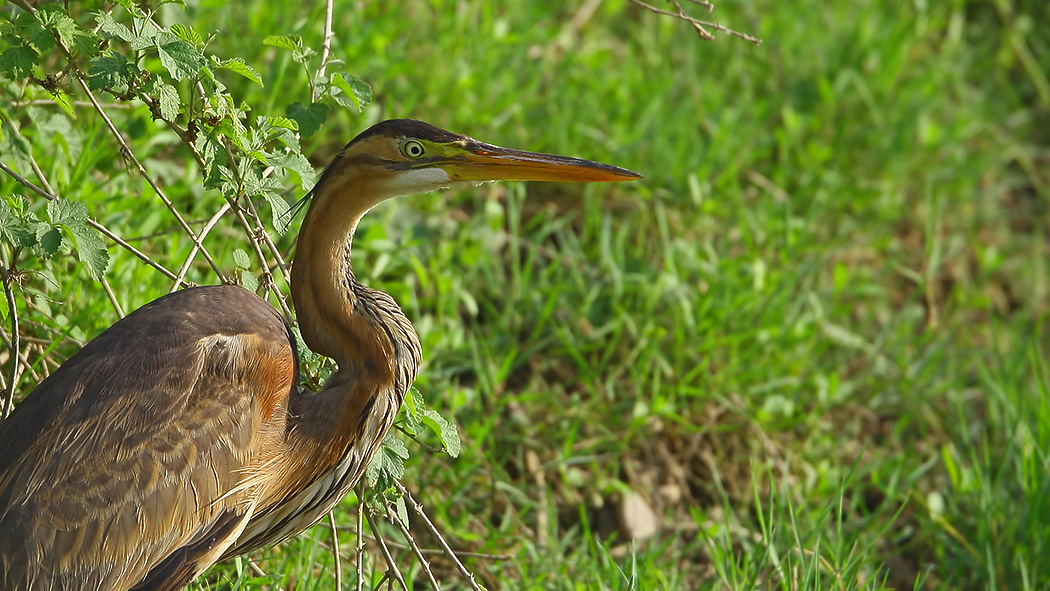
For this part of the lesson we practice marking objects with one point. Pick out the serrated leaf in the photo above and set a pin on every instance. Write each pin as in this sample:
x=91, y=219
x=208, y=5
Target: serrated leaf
x=90, y=249
x=187, y=34
x=288, y=42
x=356, y=89
x=17, y=63
x=282, y=212
x=241, y=259
x=446, y=432
x=239, y=66
x=114, y=29
x=167, y=99
x=35, y=33
x=63, y=212
x=13, y=228
x=49, y=240
x=112, y=72
x=181, y=59
x=54, y=18
x=402, y=511
x=297, y=163
x=282, y=122
x=309, y=117
x=247, y=280
x=388, y=464
x=413, y=408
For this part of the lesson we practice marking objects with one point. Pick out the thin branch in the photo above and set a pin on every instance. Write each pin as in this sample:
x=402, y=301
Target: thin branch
x=106, y=231
x=335, y=553
x=441, y=540
x=275, y=252
x=700, y=25
x=253, y=238
x=12, y=310
x=391, y=514
x=193, y=251
x=360, y=491
x=27, y=367
x=390, y=564
x=128, y=153
x=112, y=297
x=326, y=47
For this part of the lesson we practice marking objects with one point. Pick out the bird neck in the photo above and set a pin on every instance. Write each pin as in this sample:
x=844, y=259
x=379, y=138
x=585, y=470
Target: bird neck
x=363, y=329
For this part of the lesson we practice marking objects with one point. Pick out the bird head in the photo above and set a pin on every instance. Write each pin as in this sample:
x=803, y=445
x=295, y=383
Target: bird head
x=404, y=157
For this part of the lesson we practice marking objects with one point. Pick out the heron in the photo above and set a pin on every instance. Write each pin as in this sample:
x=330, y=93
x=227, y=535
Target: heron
x=179, y=437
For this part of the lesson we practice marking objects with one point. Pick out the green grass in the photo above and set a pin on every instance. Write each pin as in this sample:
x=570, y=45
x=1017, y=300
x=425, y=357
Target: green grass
x=812, y=338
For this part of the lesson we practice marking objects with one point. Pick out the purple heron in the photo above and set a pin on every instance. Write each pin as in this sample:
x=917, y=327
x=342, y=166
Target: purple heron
x=178, y=437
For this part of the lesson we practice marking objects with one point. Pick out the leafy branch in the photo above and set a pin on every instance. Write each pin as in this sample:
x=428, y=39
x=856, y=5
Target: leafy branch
x=70, y=57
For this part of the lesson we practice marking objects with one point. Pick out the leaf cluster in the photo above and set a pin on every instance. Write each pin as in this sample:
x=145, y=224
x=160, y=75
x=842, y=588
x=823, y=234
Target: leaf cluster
x=121, y=53
x=64, y=226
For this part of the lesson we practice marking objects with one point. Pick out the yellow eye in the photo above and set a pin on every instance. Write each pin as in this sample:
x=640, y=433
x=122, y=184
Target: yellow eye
x=412, y=149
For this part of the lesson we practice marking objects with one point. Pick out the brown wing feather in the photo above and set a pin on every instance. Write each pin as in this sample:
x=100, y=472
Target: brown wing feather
x=123, y=459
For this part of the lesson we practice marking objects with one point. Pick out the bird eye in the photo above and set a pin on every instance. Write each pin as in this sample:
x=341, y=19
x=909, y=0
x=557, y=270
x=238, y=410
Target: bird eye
x=412, y=149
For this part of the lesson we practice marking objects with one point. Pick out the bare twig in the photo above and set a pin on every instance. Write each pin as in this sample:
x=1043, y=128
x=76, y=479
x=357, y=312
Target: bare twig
x=335, y=553
x=326, y=47
x=112, y=297
x=701, y=26
x=12, y=310
x=193, y=251
x=106, y=231
x=22, y=357
x=360, y=492
x=253, y=237
x=437, y=534
x=390, y=564
x=129, y=154
x=392, y=515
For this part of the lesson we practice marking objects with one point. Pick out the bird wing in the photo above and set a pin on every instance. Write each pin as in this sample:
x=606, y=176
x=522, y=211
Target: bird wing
x=123, y=466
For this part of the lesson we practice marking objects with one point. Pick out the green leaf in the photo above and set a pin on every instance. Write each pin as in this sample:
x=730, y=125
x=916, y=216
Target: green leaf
x=188, y=35
x=297, y=163
x=73, y=217
x=413, y=407
x=282, y=122
x=356, y=89
x=388, y=465
x=90, y=249
x=310, y=118
x=402, y=510
x=72, y=36
x=446, y=431
x=35, y=33
x=113, y=72
x=12, y=227
x=239, y=66
x=17, y=62
x=282, y=212
x=167, y=99
x=181, y=59
x=63, y=212
x=293, y=44
x=49, y=240
x=247, y=279
x=241, y=259
x=114, y=29
x=62, y=100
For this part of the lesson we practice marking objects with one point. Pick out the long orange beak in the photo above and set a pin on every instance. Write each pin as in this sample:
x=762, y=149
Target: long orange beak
x=485, y=162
